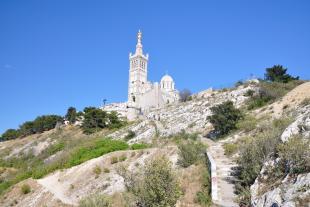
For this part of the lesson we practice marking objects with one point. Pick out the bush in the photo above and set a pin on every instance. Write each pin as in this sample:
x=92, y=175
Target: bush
x=247, y=123
x=130, y=135
x=138, y=146
x=295, y=155
x=159, y=186
x=95, y=200
x=225, y=117
x=53, y=149
x=96, y=149
x=230, y=148
x=254, y=152
x=270, y=92
x=106, y=170
x=114, y=160
x=278, y=74
x=122, y=158
x=97, y=170
x=190, y=152
x=25, y=189
x=185, y=95
x=249, y=93
x=154, y=184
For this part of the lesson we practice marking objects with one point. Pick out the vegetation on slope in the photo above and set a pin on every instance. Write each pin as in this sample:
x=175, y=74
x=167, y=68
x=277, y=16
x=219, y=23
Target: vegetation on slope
x=224, y=117
x=68, y=151
x=94, y=120
x=39, y=125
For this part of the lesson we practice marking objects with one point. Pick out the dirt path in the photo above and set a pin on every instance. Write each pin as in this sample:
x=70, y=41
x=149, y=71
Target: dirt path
x=224, y=165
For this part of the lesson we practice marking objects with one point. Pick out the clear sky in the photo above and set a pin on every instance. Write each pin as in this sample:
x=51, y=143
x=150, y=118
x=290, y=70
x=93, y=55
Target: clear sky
x=60, y=53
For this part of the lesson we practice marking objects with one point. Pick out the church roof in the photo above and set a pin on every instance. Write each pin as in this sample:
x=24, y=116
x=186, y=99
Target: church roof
x=166, y=78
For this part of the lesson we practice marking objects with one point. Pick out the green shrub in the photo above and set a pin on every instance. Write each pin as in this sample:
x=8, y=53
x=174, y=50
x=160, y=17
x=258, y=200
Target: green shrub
x=95, y=200
x=138, y=146
x=183, y=135
x=53, y=149
x=224, y=117
x=270, y=92
x=130, y=135
x=159, y=186
x=122, y=158
x=97, y=170
x=247, y=123
x=295, y=155
x=249, y=93
x=254, y=152
x=230, y=148
x=106, y=170
x=97, y=149
x=114, y=160
x=25, y=189
x=190, y=152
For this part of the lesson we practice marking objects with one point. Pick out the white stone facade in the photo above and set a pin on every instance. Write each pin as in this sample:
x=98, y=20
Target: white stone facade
x=142, y=94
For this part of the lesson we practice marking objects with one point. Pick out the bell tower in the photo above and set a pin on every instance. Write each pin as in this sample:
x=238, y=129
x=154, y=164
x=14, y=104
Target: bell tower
x=137, y=73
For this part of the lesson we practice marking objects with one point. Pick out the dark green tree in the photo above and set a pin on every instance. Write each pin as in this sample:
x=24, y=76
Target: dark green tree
x=114, y=120
x=27, y=128
x=71, y=115
x=45, y=123
x=224, y=117
x=10, y=134
x=94, y=120
x=277, y=73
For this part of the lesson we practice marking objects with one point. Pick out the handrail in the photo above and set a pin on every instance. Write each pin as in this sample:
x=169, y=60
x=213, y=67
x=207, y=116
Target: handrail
x=212, y=170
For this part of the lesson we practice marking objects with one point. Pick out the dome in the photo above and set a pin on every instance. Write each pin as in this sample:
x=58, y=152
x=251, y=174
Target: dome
x=166, y=78
x=167, y=83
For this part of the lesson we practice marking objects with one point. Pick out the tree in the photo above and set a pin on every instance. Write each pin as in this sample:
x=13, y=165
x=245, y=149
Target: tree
x=10, y=134
x=225, y=117
x=277, y=73
x=27, y=128
x=185, y=95
x=114, y=120
x=71, y=115
x=45, y=123
x=94, y=120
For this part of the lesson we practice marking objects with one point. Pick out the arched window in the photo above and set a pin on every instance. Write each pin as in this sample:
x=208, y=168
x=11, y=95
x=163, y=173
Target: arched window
x=134, y=99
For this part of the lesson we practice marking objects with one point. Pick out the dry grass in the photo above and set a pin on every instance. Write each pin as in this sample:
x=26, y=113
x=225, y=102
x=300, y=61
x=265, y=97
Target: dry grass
x=190, y=185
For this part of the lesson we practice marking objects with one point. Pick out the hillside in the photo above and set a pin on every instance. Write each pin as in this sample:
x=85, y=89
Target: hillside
x=57, y=183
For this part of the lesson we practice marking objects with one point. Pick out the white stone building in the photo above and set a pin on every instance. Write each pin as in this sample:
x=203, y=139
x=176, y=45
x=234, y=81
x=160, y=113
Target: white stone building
x=142, y=94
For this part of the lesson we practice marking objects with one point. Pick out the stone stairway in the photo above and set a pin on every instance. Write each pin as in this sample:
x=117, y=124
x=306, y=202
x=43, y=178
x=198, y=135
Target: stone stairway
x=224, y=165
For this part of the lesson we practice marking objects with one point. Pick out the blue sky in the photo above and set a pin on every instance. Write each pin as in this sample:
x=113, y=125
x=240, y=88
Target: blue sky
x=55, y=53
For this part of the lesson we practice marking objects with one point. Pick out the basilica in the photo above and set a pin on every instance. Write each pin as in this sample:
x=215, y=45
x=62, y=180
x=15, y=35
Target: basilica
x=143, y=95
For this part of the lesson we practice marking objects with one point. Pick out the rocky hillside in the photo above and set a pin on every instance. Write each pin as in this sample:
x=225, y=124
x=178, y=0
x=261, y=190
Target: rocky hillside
x=71, y=183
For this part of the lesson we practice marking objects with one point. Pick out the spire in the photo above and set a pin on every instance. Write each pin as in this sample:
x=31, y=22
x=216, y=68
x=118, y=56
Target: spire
x=139, y=44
